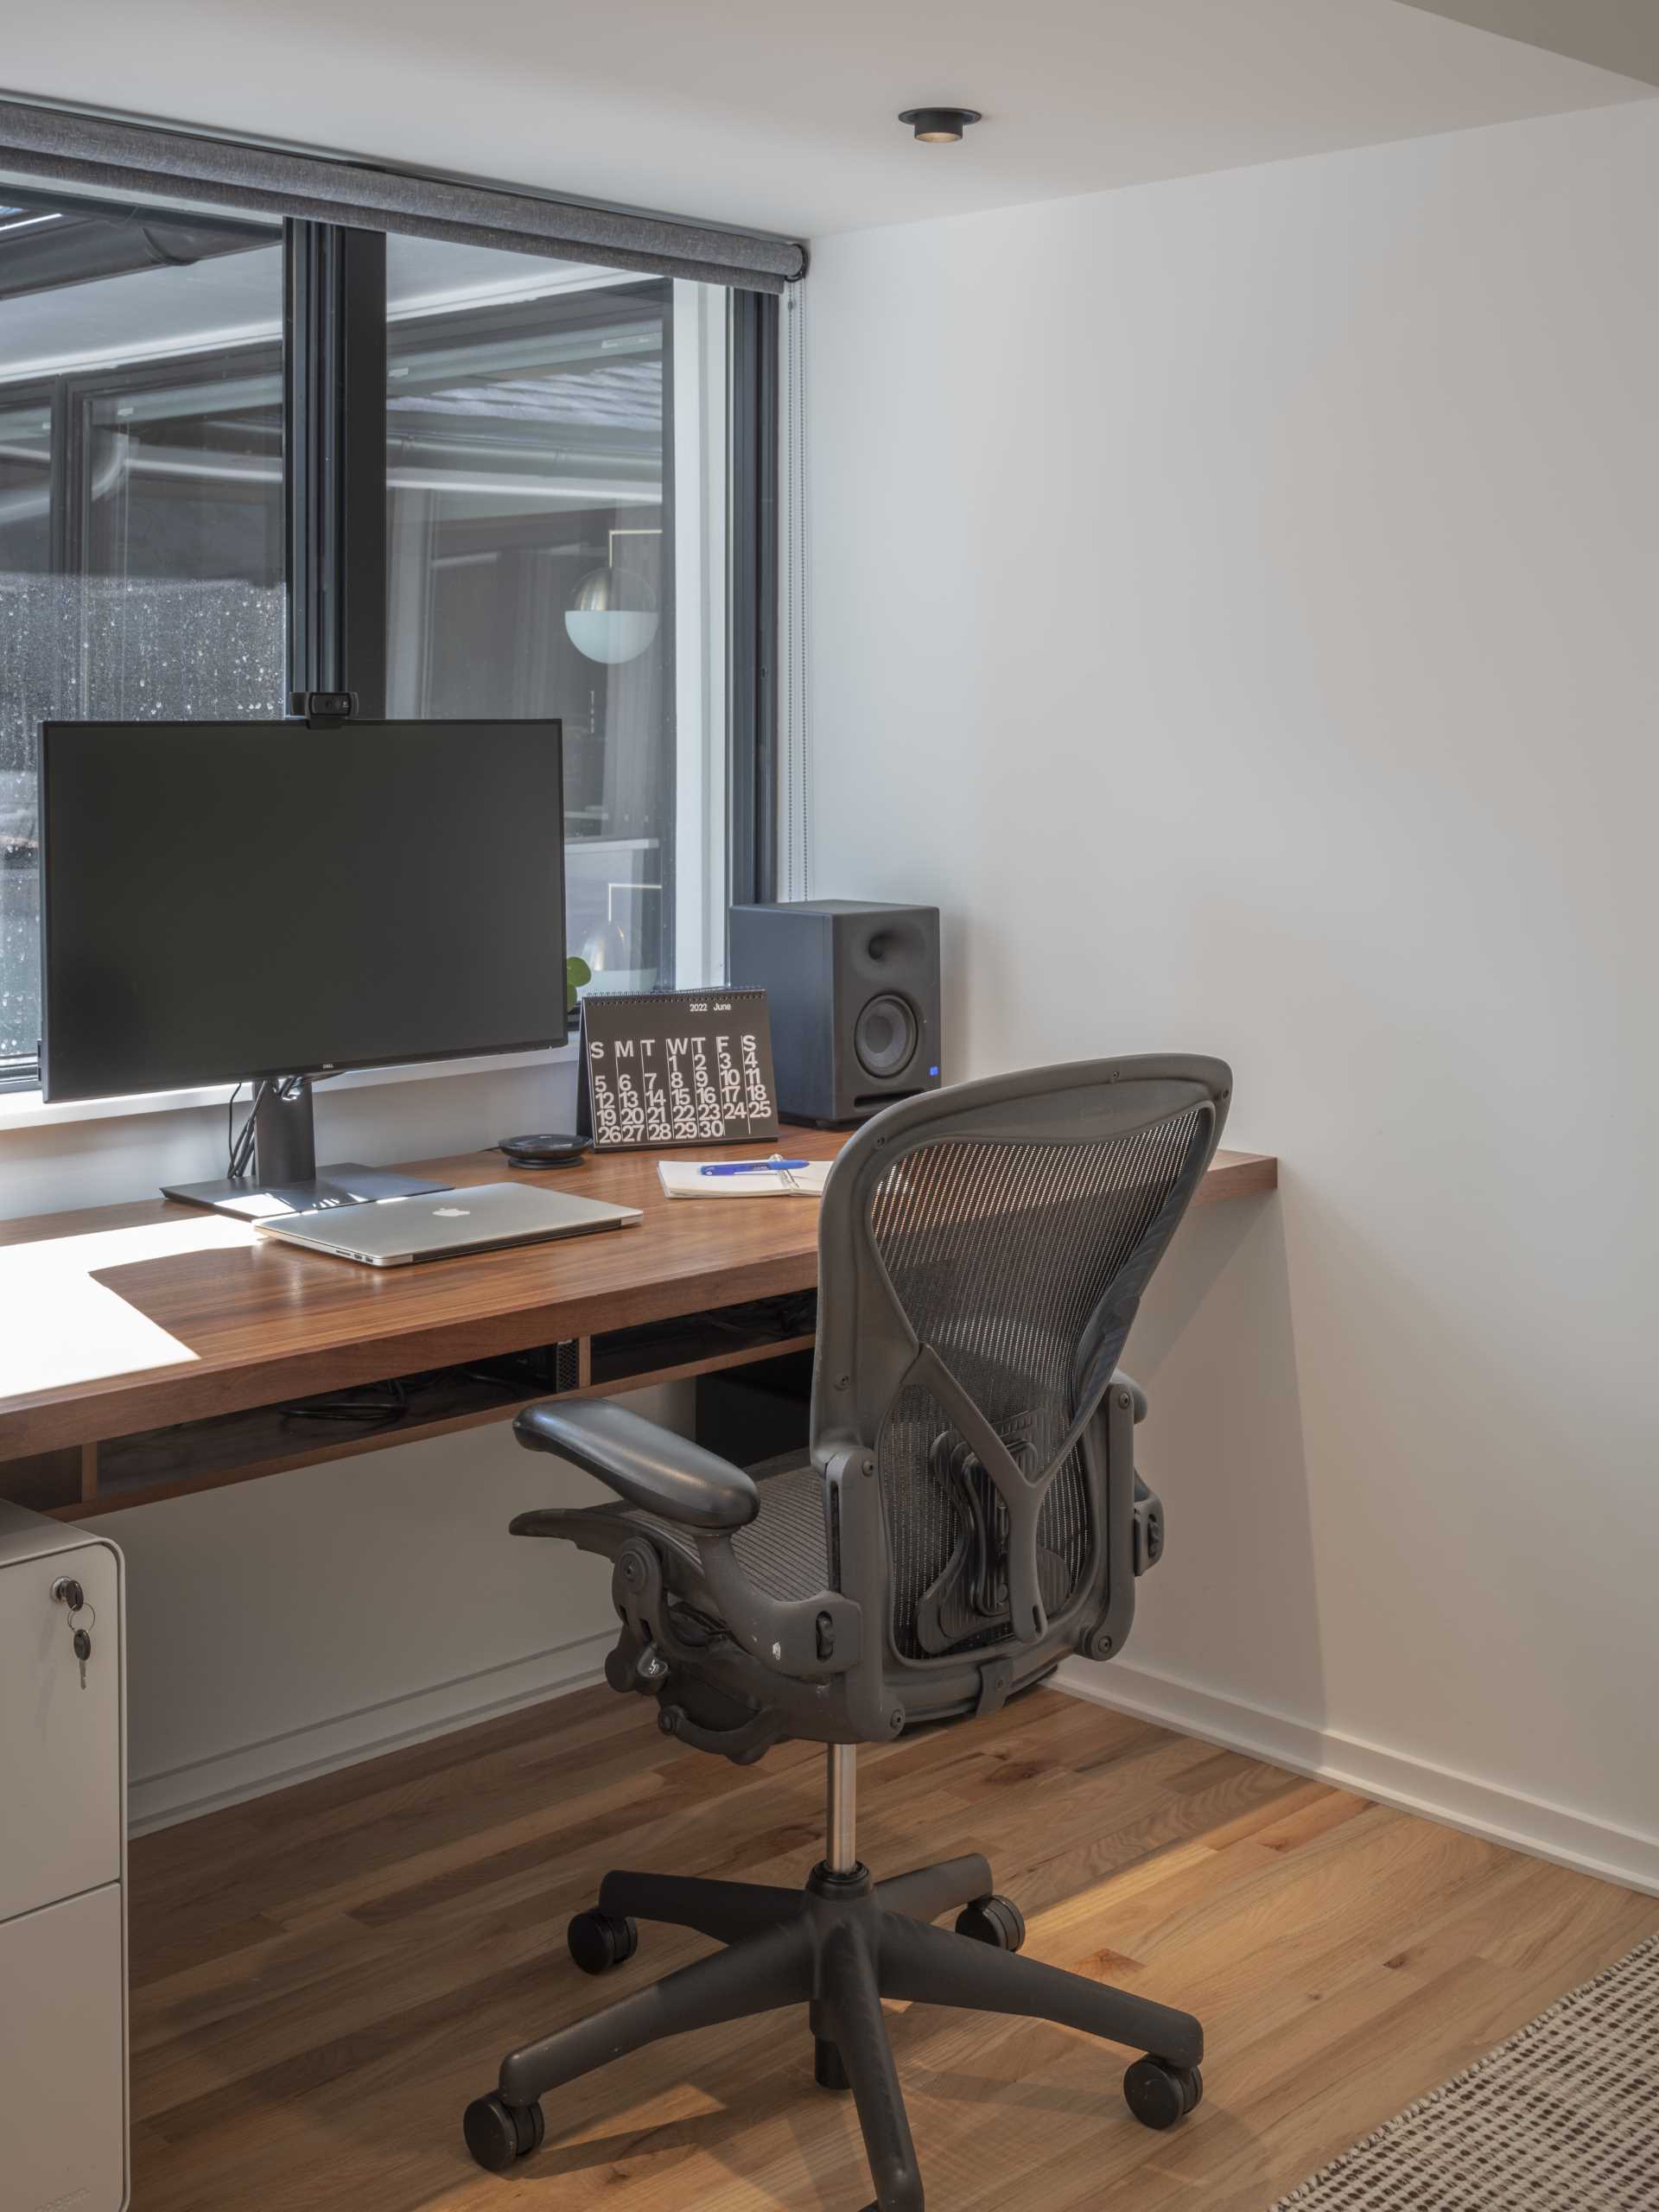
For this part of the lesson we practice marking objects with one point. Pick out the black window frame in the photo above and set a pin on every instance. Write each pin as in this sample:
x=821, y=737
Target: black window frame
x=333, y=372
x=334, y=464
x=752, y=600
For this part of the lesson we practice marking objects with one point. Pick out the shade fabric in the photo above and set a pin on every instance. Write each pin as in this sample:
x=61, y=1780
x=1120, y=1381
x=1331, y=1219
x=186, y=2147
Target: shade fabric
x=106, y=152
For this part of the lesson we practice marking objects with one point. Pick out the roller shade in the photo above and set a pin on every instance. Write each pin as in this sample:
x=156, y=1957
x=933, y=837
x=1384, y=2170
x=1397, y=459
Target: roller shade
x=120, y=156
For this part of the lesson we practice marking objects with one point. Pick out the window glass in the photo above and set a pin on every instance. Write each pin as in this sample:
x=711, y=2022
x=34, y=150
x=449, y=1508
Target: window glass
x=552, y=537
x=141, y=499
x=556, y=488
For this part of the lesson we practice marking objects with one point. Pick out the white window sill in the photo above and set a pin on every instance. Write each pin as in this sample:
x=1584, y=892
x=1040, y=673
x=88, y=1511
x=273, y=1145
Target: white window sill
x=27, y=1109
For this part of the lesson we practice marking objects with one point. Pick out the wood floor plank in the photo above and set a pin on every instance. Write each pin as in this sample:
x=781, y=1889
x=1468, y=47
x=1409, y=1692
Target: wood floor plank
x=322, y=1980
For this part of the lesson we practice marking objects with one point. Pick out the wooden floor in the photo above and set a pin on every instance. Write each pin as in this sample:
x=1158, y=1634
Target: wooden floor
x=322, y=1979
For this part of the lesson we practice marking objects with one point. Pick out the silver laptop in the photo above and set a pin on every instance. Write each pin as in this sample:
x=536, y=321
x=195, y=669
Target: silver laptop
x=391, y=1232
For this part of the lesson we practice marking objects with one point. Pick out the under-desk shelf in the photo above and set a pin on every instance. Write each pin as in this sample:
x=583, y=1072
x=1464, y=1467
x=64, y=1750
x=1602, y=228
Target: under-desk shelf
x=191, y=1456
x=699, y=1344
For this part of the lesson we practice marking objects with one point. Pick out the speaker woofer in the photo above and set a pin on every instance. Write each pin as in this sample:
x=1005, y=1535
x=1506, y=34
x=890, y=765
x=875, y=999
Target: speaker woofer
x=885, y=1037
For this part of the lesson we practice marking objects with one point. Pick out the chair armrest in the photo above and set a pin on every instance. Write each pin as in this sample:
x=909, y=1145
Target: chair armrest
x=646, y=1465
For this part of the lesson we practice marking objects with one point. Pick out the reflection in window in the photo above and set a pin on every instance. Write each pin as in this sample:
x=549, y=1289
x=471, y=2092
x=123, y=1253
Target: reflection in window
x=533, y=567
x=141, y=499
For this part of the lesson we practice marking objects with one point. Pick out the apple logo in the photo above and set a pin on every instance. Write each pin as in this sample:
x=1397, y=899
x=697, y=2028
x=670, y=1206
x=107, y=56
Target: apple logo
x=450, y=1213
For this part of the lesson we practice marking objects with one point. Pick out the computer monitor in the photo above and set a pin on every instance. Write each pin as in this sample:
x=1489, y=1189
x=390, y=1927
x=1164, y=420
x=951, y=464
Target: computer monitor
x=232, y=902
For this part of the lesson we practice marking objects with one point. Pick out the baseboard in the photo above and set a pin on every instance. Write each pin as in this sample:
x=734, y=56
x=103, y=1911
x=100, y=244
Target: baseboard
x=1479, y=1807
x=157, y=1801
x=1523, y=1823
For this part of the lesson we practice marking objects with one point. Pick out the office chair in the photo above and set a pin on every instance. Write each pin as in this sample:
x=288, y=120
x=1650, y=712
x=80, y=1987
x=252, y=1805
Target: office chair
x=970, y=1516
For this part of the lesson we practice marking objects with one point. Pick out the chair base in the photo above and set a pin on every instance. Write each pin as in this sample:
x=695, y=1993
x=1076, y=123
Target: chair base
x=838, y=1947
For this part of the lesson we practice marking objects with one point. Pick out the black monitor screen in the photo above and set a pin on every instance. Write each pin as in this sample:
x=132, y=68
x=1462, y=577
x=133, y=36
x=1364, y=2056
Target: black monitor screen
x=228, y=899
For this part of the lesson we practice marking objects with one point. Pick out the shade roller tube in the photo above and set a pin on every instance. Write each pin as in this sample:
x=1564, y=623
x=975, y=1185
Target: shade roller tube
x=120, y=156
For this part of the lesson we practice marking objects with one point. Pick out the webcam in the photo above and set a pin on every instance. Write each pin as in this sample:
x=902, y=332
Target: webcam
x=325, y=706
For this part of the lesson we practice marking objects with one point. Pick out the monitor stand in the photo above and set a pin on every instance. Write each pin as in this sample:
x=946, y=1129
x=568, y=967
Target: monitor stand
x=286, y=1177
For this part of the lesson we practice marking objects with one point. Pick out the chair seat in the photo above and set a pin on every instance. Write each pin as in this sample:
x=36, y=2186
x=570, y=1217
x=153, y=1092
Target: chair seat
x=785, y=1551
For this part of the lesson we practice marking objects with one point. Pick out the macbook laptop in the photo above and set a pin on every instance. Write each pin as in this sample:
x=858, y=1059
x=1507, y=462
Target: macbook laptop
x=391, y=1232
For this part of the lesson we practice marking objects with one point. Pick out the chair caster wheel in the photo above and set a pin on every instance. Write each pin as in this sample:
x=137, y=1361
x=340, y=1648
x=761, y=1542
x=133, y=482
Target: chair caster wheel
x=1160, y=2095
x=499, y=2134
x=996, y=1921
x=598, y=1942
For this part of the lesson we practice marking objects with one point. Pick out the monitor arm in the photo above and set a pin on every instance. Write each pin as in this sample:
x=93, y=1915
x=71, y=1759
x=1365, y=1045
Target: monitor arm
x=273, y=1167
x=284, y=1132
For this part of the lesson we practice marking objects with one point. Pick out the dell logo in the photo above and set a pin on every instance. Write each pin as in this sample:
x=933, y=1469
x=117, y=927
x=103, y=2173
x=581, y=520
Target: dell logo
x=450, y=1213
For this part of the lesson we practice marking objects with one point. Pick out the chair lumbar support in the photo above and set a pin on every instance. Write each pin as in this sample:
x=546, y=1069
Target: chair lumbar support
x=838, y=1946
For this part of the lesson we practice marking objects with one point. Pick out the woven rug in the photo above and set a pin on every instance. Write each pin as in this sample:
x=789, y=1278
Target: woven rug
x=1562, y=2118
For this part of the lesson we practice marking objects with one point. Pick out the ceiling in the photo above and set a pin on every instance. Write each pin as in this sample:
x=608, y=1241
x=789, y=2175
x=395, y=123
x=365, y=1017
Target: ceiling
x=779, y=116
x=1620, y=35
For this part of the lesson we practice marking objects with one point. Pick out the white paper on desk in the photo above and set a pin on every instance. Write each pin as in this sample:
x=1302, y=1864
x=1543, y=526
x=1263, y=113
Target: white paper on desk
x=60, y=1326
x=683, y=1179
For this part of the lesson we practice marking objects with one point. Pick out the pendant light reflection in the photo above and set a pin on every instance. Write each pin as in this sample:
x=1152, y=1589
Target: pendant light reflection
x=613, y=616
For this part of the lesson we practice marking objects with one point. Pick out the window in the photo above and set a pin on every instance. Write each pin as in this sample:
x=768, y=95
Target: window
x=141, y=500
x=549, y=435
x=556, y=461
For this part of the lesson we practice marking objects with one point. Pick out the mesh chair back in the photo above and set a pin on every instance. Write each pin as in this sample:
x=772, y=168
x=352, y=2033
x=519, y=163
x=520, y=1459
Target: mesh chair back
x=983, y=1251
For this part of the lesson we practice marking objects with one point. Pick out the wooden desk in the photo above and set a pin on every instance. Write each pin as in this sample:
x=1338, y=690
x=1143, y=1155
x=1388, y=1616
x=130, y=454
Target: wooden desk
x=131, y=1321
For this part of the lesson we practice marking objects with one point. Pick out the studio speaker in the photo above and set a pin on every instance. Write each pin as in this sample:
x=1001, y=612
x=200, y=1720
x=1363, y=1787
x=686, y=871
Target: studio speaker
x=853, y=993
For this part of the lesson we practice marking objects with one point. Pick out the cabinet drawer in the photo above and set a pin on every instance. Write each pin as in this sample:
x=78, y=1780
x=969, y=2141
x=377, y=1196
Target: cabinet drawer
x=61, y=1764
x=63, y=2071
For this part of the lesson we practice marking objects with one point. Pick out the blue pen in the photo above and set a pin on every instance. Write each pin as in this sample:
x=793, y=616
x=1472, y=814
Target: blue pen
x=772, y=1166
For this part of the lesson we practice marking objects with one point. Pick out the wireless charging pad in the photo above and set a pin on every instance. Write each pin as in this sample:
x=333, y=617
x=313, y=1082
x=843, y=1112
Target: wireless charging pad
x=543, y=1151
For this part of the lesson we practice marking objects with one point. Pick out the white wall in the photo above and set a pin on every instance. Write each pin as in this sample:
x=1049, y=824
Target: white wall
x=303, y=1620
x=1233, y=602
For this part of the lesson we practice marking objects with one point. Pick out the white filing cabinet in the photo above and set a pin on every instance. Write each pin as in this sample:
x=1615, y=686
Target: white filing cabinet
x=63, y=1862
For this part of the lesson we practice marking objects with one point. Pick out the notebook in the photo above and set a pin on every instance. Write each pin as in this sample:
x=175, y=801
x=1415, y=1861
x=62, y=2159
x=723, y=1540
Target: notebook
x=683, y=1179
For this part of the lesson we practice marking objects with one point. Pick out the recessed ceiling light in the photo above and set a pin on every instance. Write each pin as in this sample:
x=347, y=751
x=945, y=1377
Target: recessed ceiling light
x=940, y=126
